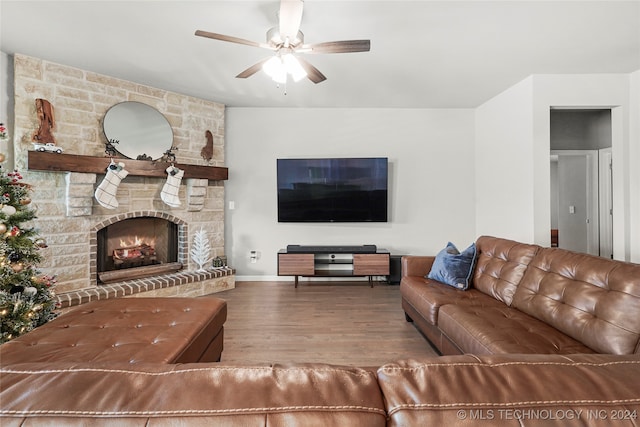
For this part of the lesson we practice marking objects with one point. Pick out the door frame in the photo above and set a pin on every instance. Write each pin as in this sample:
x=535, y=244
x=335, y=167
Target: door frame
x=605, y=200
x=593, y=222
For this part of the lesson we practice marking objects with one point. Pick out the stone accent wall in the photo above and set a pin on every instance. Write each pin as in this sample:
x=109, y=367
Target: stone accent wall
x=67, y=213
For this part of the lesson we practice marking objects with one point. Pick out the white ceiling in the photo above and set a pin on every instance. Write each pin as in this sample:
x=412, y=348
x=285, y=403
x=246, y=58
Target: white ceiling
x=424, y=54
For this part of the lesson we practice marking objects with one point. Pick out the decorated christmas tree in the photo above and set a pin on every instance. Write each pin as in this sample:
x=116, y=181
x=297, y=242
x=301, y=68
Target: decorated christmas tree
x=26, y=296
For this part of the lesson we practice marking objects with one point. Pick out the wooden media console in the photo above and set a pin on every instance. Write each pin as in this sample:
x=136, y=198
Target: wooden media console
x=321, y=262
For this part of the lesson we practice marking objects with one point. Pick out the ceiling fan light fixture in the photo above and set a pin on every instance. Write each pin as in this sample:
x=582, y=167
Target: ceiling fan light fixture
x=278, y=66
x=293, y=67
x=275, y=39
x=275, y=69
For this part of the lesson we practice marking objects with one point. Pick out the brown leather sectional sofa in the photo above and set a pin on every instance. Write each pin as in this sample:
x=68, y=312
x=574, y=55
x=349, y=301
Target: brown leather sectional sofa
x=46, y=381
x=527, y=299
x=465, y=391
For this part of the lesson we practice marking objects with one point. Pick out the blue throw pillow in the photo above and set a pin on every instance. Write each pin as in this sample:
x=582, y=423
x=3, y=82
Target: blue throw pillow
x=453, y=267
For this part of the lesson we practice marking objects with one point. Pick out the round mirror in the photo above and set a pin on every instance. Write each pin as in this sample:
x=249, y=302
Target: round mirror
x=140, y=130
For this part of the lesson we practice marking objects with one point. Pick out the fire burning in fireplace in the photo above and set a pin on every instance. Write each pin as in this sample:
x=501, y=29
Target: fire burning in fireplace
x=138, y=243
x=136, y=251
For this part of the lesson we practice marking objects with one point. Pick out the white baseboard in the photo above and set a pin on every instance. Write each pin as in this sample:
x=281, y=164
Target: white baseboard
x=263, y=278
x=305, y=279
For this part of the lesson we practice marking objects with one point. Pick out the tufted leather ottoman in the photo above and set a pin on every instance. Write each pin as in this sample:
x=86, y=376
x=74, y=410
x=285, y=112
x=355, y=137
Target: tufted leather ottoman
x=162, y=330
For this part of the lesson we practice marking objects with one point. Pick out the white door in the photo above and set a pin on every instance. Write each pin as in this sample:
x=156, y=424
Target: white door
x=577, y=200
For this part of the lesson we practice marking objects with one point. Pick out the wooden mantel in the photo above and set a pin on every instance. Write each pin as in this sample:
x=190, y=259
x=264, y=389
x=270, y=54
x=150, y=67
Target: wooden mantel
x=45, y=161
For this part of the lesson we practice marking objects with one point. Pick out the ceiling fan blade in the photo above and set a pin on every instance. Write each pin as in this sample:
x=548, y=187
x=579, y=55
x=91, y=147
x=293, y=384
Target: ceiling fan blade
x=290, y=18
x=231, y=39
x=252, y=70
x=313, y=73
x=345, y=46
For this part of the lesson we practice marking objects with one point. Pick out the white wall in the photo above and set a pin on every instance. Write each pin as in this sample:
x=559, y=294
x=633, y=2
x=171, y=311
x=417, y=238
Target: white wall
x=431, y=174
x=504, y=171
x=634, y=165
x=512, y=155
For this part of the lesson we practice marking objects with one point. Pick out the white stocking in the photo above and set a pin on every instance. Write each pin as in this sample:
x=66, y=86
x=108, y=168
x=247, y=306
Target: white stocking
x=106, y=191
x=169, y=193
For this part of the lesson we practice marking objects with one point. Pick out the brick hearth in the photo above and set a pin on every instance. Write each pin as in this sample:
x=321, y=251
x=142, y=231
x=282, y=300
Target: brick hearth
x=182, y=283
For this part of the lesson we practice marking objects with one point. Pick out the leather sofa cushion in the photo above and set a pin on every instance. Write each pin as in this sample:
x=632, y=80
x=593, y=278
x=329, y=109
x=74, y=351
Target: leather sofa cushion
x=164, y=330
x=500, y=266
x=203, y=394
x=513, y=390
x=502, y=329
x=592, y=299
x=427, y=296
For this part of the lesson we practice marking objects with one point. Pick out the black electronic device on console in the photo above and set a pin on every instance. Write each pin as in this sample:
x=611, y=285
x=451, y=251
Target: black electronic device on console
x=338, y=249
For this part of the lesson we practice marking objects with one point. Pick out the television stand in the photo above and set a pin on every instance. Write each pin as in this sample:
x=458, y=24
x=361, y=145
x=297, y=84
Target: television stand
x=320, y=261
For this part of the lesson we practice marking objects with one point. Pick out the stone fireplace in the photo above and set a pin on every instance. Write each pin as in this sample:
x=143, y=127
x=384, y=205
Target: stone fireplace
x=80, y=233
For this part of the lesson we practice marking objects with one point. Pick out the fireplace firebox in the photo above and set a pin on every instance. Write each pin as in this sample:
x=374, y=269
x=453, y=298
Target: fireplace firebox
x=137, y=247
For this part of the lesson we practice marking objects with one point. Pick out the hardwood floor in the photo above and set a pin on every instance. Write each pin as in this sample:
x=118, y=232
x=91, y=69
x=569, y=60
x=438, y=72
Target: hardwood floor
x=344, y=323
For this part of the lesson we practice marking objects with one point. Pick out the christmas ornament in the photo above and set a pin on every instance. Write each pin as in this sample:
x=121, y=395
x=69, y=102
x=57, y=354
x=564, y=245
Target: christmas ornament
x=2, y=158
x=8, y=210
x=25, y=201
x=15, y=176
x=46, y=280
x=3, y=228
x=170, y=190
x=39, y=242
x=17, y=268
x=106, y=192
x=14, y=257
x=29, y=291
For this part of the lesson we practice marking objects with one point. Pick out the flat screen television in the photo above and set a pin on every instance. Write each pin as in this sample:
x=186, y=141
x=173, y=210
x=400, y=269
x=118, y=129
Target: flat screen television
x=332, y=190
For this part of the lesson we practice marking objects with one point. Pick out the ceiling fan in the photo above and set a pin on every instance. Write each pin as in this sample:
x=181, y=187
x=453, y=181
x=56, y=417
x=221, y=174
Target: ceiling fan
x=287, y=40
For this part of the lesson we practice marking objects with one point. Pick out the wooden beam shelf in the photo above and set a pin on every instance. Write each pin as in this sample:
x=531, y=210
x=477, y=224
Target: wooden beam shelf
x=53, y=162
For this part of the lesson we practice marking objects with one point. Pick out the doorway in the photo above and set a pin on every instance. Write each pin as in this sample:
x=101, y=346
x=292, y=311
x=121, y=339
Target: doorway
x=581, y=181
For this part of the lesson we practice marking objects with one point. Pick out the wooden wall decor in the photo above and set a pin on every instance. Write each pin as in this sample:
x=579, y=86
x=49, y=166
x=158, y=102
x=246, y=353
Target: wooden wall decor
x=47, y=119
x=207, y=150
